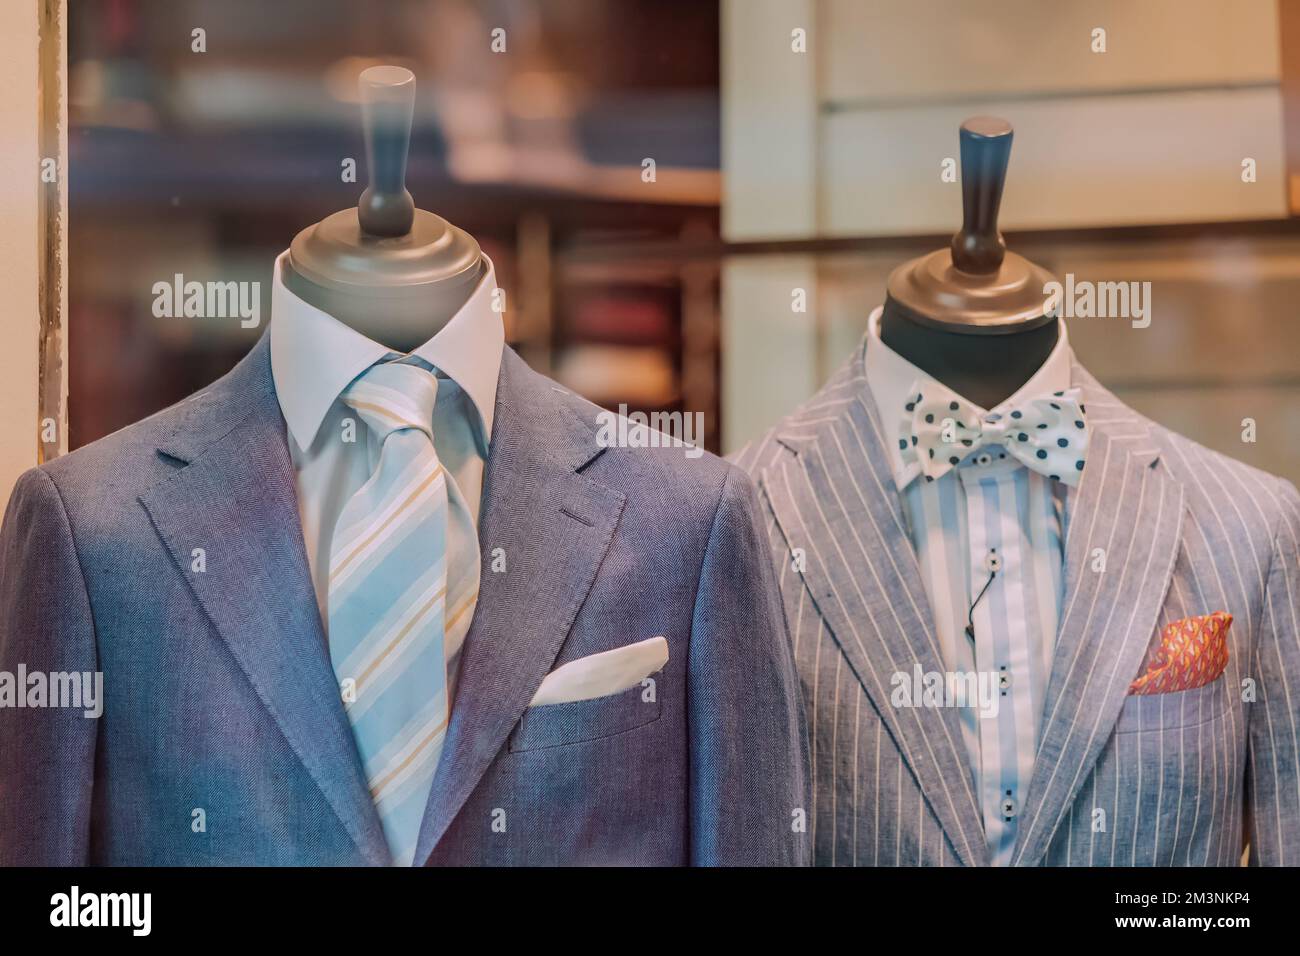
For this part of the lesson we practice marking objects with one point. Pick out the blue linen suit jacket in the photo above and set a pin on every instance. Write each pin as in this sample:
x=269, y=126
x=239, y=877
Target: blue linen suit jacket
x=1159, y=529
x=223, y=739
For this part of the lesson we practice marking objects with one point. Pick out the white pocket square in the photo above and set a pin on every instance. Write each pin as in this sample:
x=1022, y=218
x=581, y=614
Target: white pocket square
x=602, y=674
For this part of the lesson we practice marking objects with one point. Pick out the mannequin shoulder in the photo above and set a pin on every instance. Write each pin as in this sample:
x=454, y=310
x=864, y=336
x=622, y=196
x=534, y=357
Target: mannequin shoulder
x=656, y=455
x=1225, y=493
x=108, y=474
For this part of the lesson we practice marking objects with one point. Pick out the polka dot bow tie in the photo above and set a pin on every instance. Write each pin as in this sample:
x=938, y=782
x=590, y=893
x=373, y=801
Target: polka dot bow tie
x=940, y=430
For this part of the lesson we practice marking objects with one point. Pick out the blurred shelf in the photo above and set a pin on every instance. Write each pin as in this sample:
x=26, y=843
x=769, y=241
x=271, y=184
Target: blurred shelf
x=282, y=164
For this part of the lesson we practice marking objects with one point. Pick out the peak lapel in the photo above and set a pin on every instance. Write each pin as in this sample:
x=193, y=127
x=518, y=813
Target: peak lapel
x=1128, y=509
x=553, y=527
x=236, y=499
x=837, y=501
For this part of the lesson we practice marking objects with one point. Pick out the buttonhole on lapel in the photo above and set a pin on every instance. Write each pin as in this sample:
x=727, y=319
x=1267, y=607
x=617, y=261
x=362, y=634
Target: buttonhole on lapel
x=169, y=457
x=577, y=517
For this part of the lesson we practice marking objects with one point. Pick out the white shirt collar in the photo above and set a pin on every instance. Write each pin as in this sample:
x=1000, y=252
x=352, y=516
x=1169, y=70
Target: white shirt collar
x=314, y=356
x=890, y=378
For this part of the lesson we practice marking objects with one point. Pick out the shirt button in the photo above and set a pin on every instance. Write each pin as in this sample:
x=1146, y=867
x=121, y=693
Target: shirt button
x=1009, y=807
x=1004, y=680
x=993, y=561
x=983, y=458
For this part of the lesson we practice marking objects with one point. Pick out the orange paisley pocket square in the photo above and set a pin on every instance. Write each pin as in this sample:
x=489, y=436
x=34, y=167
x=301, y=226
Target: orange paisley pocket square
x=1193, y=652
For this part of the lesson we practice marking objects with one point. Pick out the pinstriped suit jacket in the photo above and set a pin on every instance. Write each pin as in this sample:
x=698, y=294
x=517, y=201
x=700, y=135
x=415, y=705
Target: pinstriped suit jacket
x=1183, y=778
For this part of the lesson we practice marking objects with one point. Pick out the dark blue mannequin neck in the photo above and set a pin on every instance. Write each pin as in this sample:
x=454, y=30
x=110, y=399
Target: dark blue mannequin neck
x=984, y=369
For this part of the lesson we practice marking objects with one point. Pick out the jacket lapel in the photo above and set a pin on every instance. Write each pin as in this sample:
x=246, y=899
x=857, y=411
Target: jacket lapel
x=837, y=501
x=553, y=527
x=1127, y=513
x=235, y=499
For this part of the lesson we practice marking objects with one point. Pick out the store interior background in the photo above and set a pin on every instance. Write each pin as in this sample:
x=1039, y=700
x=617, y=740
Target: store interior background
x=775, y=171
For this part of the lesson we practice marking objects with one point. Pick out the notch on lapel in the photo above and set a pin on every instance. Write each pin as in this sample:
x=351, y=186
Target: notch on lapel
x=553, y=526
x=1128, y=509
x=235, y=498
x=837, y=501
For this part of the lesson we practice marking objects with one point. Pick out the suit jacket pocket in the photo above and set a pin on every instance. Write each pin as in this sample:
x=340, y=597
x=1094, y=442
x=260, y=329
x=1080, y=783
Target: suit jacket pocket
x=557, y=725
x=1183, y=708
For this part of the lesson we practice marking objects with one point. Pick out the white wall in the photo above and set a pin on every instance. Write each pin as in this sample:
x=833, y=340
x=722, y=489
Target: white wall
x=847, y=140
x=769, y=120
x=19, y=185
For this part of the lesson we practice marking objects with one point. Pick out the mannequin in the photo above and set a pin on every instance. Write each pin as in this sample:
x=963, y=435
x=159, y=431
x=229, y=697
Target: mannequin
x=392, y=272
x=971, y=547
x=972, y=315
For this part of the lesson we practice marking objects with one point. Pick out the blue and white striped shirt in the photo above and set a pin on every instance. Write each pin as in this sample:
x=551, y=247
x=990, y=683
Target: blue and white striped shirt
x=988, y=512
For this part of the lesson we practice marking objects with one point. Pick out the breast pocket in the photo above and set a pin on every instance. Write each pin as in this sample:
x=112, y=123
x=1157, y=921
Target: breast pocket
x=559, y=725
x=1174, y=711
x=1172, y=766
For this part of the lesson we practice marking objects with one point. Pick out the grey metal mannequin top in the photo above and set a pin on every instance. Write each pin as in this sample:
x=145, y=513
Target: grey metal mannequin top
x=392, y=272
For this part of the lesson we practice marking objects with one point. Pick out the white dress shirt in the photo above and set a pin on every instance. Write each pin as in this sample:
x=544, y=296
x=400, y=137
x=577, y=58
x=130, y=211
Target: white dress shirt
x=989, y=511
x=314, y=357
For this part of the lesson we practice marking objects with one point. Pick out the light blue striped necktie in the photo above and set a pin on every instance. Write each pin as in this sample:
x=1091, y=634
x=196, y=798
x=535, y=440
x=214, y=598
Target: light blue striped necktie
x=389, y=607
